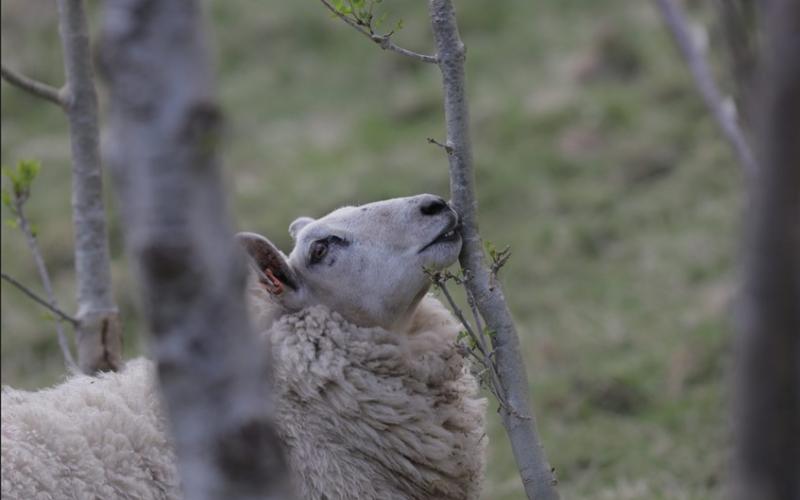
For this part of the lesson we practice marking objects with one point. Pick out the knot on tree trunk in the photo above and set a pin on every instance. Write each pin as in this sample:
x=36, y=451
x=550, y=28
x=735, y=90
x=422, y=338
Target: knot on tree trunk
x=99, y=337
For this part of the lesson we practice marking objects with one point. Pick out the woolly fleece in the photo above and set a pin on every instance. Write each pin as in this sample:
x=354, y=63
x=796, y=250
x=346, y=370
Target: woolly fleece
x=88, y=438
x=365, y=413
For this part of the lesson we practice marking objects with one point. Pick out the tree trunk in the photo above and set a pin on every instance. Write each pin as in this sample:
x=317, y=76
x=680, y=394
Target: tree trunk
x=518, y=419
x=99, y=332
x=767, y=369
x=165, y=128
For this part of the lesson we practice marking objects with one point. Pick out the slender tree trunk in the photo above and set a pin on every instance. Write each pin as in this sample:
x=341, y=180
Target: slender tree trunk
x=518, y=419
x=99, y=332
x=165, y=127
x=728, y=123
x=767, y=376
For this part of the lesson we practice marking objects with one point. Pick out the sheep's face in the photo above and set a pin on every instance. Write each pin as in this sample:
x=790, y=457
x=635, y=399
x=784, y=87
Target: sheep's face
x=366, y=262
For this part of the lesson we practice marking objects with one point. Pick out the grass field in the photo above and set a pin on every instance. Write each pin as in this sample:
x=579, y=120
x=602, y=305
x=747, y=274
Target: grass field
x=595, y=161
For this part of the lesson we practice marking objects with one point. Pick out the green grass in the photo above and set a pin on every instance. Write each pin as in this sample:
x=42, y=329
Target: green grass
x=595, y=161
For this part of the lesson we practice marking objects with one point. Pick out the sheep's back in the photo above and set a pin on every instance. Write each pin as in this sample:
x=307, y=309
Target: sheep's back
x=90, y=437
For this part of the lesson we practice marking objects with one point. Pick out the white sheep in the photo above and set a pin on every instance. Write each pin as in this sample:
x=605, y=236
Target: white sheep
x=373, y=400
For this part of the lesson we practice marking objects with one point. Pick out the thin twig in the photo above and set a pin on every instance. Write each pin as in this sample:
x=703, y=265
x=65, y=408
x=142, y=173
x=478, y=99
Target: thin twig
x=457, y=311
x=42, y=302
x=499, y=260
x=447, y=149
x=485, y=359
x=39, y=89
x=470, y=352
x=33, y=246
x=676, y=21
x=475, y=315
x=490, y=355
x=384, y=41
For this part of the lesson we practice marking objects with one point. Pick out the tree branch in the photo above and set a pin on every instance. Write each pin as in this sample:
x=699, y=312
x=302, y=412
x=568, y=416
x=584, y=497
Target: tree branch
x=32, y=86
x=477, y=335
x=738, y=23
x=42, y=302
x=384, y=41
x=675, y=20
x=165, y=129
x=44, y=276
x=536, y=474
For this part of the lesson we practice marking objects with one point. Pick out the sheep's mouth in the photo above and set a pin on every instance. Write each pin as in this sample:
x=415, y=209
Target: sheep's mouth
x=450, y=234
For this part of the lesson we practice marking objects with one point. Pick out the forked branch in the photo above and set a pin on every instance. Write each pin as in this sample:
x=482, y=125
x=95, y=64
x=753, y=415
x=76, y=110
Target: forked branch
x=16, y=207
x=33, y=87
x=384, y=41
x=478, y=345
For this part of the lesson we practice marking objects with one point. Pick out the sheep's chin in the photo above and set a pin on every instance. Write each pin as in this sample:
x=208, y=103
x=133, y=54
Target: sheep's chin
x=442, y=254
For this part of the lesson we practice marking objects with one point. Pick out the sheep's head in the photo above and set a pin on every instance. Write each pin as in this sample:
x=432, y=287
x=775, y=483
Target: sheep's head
x=366, y=262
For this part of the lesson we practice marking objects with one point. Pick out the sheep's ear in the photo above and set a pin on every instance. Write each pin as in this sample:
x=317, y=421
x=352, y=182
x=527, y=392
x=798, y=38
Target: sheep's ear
x=299, y=224
x=271, y=266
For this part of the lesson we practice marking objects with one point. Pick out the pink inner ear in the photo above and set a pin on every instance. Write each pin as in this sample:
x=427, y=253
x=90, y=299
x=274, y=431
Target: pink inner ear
x=272, y=284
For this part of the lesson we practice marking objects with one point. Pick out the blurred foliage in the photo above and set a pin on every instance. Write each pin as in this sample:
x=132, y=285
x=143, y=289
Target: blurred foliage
x=595, y=161
x=21, y=179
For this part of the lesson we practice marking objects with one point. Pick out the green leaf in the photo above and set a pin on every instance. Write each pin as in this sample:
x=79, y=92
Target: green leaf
x=462, y=335
x=490, y=249
x=12, y=223
x=28, y=170
x=21, y=178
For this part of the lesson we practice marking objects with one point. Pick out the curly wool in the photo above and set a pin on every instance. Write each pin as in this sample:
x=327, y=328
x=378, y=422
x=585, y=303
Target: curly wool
x=89, y=437
x=365, y=413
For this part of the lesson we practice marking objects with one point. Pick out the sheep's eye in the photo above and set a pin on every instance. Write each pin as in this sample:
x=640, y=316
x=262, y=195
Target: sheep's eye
x=318, y=250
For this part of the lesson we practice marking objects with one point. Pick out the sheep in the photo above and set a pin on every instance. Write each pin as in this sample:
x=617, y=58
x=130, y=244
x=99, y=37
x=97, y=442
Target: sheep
x=373, y=399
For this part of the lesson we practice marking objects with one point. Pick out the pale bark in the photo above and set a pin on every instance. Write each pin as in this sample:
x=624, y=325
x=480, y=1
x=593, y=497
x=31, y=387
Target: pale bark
x=767, y=368
x=675, y=20
x=165, y=127
x=99, y=332
x=517, y=417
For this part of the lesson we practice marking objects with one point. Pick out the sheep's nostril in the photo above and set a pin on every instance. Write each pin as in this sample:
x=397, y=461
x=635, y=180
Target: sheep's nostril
x=433, y=207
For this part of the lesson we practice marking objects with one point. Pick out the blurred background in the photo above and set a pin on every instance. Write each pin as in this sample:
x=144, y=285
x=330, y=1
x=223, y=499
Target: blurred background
x=595, y=161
